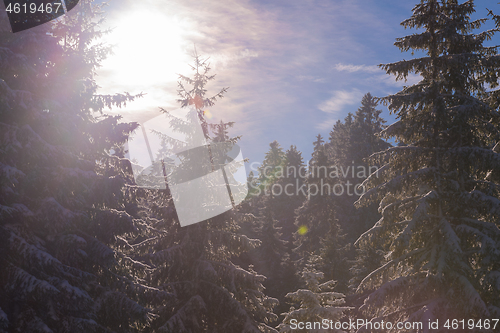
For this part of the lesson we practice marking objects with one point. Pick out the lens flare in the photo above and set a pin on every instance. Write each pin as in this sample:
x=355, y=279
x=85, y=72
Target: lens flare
x=302, y=230
x=207, y=114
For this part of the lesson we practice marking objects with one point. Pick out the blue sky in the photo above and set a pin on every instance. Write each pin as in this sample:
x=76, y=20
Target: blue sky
x=292, y=67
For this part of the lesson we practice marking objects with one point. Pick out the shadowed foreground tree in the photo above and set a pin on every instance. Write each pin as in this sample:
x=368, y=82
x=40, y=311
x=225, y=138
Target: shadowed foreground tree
x=61, y=191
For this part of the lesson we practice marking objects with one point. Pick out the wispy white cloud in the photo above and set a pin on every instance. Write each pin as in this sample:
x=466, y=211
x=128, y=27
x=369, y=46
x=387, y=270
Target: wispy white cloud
x=326, y=125
x=231, y=58
x=356, y=68
x=335, y=107
x=339, y=99
x=311, y=78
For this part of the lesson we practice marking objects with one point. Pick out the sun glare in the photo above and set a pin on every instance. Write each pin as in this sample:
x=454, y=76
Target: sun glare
x=149, y=48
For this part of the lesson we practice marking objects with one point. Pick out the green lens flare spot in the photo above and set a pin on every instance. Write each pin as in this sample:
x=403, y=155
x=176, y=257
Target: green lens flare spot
x=302, y=230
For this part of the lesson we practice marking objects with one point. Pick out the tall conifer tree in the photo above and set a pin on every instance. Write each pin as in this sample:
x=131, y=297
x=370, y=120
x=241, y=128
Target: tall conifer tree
x=272, y=167
x=193, y=263
x=439, y=211
x=316, y=215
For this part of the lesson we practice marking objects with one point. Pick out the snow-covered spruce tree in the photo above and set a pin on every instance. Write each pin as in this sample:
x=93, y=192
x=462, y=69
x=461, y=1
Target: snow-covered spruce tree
x=339, y=147
x=440, y=213
x=356, y=138
x=351, y=143
x=272, y=250
x=334, y=257
x=60, y=190
x=193, y=263
x=367, y=125
x=318, y=232
x=274, y=208
x=272, y=259
x=279, y=185
x=291, y=196
x=368, y=259
x=317, y=214
x=260, y=191
x=272, y=167
x=314, y=304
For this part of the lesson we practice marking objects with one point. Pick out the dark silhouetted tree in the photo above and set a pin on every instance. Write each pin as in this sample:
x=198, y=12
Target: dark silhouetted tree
x=62, y=194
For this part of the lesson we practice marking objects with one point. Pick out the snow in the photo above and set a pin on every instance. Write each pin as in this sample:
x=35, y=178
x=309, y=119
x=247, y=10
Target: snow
x=3, y=317
x=74, y=292
x=26, y=283
x=31, y=252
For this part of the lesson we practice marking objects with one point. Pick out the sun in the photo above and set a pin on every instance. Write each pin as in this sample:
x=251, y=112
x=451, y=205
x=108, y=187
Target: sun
x=150, y=48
